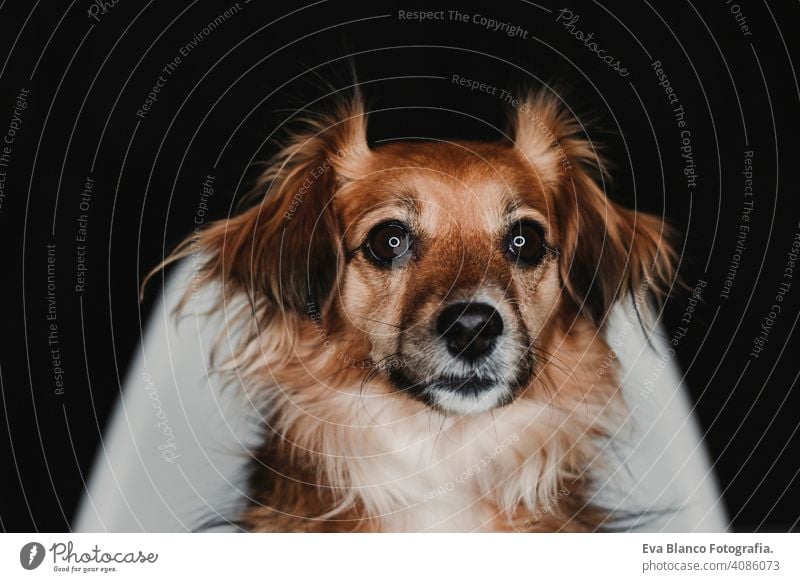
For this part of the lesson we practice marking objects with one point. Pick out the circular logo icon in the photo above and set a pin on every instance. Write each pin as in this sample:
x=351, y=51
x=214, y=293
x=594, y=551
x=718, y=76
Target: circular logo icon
x=31, y=555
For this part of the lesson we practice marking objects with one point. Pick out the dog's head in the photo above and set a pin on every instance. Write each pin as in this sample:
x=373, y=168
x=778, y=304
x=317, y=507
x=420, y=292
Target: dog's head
x=451, y=268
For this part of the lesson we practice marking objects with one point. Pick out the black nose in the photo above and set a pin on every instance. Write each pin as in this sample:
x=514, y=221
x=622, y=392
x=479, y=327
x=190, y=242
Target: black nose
x=469, y=329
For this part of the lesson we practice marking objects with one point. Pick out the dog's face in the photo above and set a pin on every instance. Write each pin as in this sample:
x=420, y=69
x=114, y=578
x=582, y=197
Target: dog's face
x=450, y=269
x=448, y=266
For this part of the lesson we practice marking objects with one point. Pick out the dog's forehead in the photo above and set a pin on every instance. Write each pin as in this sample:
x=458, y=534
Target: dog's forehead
x=453, y=182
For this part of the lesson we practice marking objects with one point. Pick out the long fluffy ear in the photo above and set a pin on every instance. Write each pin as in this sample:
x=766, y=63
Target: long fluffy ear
x=284, y=249
x=607, y=250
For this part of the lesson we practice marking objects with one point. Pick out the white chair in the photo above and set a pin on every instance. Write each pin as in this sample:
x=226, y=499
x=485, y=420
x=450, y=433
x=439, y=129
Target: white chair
x=175, y=453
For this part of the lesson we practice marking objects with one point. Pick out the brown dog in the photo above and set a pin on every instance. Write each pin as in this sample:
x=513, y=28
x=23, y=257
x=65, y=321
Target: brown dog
x=422, y=320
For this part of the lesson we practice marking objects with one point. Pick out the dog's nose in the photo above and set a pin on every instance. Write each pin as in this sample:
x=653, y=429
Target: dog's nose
x=469, y=330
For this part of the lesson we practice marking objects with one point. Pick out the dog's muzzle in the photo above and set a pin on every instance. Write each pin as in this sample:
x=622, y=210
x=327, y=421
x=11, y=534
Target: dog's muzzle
x=466, y=362
x=470, y=330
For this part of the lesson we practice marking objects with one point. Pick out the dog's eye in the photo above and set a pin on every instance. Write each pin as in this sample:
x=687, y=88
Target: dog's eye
x=388, y=242
x=525, y=242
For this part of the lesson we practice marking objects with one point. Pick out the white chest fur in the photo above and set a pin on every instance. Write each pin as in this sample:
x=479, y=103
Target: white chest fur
x=425, y=472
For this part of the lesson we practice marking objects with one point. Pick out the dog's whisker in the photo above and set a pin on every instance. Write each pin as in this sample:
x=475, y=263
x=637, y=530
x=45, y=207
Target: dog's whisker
x=494, y=428
x=556, y=361
x=436, y=440
x=381, y=322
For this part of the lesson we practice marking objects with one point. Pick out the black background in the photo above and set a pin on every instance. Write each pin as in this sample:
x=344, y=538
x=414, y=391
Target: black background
x=87, y=79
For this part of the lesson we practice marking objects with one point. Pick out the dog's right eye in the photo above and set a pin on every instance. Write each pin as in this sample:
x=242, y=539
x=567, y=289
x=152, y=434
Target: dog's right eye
x=387, y=243
x=525, y=243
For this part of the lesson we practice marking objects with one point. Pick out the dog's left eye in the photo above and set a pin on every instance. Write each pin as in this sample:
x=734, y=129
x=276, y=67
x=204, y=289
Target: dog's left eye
x=387, y=242
x=525, y=242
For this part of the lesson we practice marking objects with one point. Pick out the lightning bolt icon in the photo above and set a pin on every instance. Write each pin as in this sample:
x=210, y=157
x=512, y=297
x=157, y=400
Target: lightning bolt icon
x=34, y=551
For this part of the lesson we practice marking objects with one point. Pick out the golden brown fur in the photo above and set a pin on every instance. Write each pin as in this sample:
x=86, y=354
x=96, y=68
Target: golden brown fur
x=322, y=329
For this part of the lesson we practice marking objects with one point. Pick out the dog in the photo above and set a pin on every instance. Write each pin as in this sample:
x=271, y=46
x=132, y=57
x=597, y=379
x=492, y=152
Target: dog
x=423, y=324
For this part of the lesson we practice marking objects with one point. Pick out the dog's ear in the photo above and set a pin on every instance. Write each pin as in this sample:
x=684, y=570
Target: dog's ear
x=285, y=248
x=606, y=250
x=609, y=251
